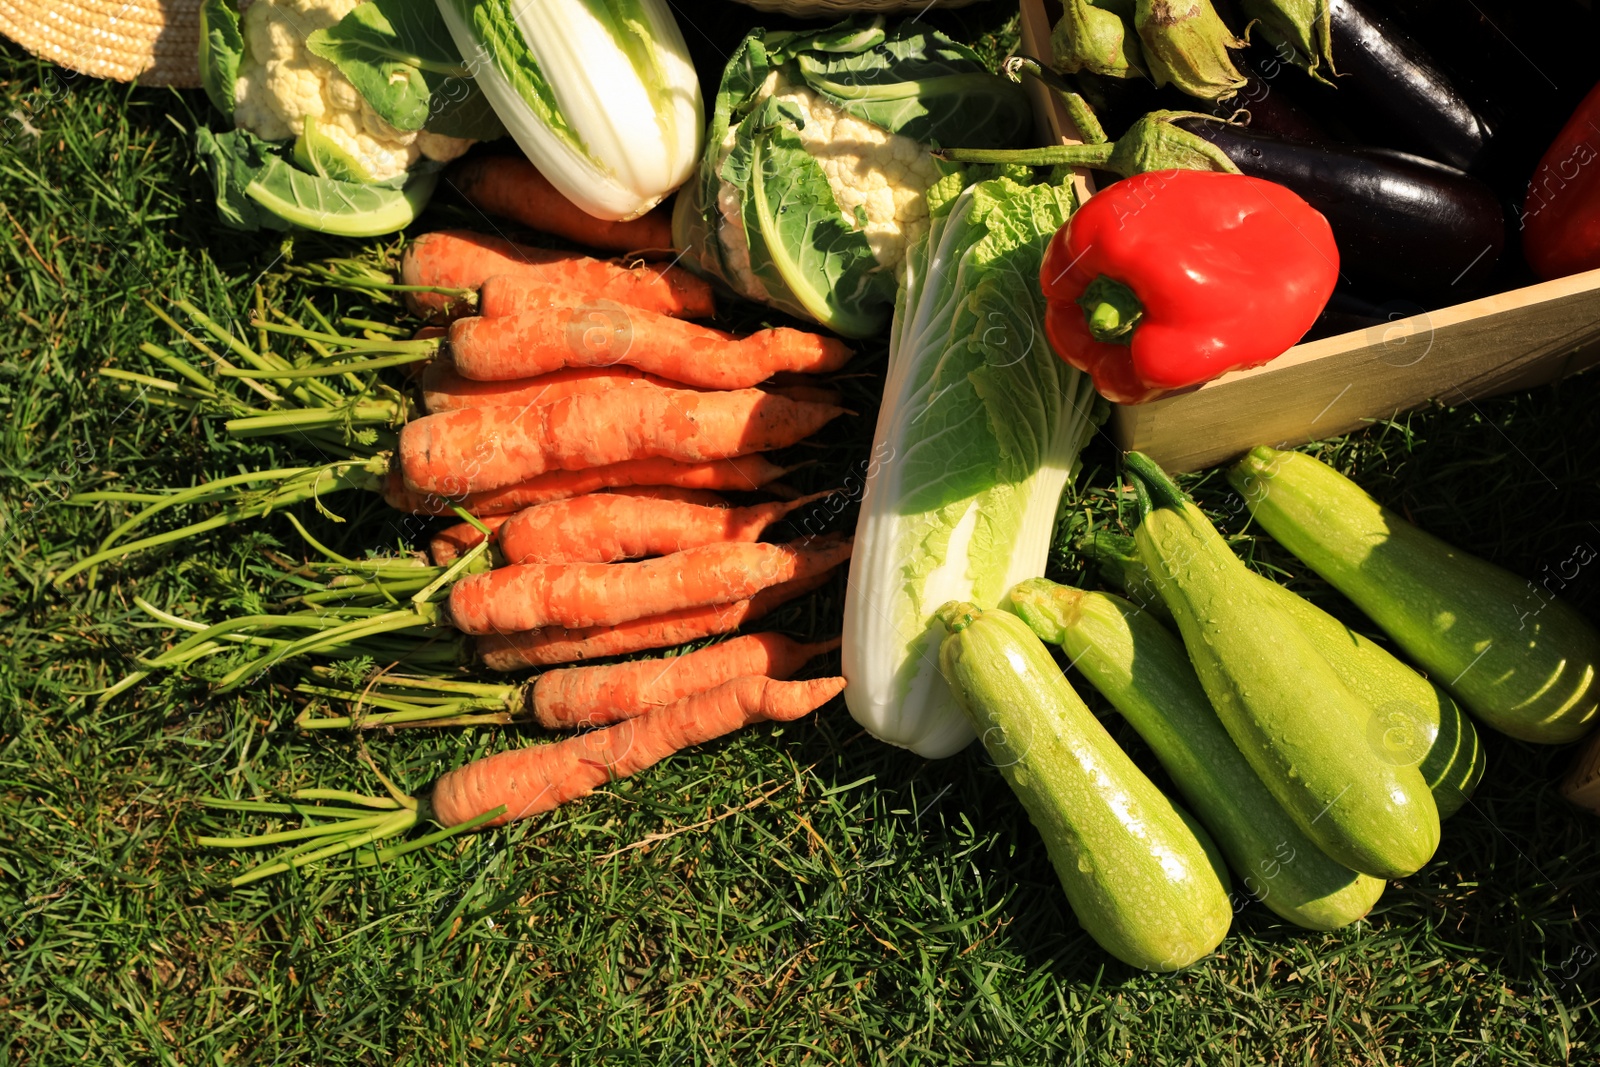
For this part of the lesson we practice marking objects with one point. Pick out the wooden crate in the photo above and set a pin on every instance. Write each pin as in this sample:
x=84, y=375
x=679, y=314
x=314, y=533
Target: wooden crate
x=1454, y=355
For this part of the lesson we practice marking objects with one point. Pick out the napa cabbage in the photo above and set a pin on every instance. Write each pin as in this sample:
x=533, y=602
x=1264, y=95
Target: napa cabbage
x=980, y=427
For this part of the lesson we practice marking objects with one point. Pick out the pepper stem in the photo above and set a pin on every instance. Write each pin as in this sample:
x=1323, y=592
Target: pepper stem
x=1111, y=309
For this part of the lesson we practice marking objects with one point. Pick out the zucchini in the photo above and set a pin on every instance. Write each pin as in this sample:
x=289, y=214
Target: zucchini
x=1520, y=660
x=1298, y=725
x=1141, y=875
x=1415, y=716
x=1142, y=669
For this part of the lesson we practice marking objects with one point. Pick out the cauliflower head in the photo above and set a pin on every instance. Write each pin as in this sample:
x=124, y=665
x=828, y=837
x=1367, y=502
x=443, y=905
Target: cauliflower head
x=281, y=84
x=877, y=175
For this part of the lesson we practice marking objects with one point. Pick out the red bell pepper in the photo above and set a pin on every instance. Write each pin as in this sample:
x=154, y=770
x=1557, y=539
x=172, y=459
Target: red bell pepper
x=1561, y=216
x=1169, y=278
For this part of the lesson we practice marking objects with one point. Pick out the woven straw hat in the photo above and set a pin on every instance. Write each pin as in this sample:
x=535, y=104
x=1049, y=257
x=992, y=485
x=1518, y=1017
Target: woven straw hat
x=156, y=41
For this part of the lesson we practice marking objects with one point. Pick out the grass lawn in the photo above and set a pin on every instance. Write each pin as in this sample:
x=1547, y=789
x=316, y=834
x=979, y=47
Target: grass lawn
x=798, y=894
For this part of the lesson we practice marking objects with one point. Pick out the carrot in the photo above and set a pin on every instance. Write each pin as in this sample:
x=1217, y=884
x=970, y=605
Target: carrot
x=513, y=188
x=450, y=543
x=529, y=781
x=704, y=498
x=443, y=389
x=581, y=697
x=503, y=295
x=477, y=449
x=739, y=473
x=606, y=334
x=528, y=596
x=604, y=528
x=555, y=644
x=461, y=259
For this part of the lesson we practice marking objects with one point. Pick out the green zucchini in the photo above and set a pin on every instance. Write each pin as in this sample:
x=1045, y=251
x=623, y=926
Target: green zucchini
x=1120, y=567
x=1520, y=660
x=1415, y=717
x=1142, y=669
x=1140, y=873
x=1298, y=725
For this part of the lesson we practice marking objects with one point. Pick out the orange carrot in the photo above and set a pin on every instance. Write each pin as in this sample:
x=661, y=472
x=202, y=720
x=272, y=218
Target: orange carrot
x=555, y=644
x=581, y=697
x=606, y=334
x=704, y=498
x=513, y=188
x=448, y=544
x=504, y=295
x=529, y=781
x=740, y=473
x=477, y=449
x=461, y=259
x=529, y=596
x=443, y=389
x=604, y=528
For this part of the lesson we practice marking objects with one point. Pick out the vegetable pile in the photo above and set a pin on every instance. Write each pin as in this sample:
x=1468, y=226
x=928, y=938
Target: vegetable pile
x=607, y=461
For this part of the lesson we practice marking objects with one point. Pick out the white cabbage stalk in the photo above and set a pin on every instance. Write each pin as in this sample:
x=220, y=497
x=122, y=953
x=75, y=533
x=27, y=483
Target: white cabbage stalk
x=600, y=94
x=980, y=427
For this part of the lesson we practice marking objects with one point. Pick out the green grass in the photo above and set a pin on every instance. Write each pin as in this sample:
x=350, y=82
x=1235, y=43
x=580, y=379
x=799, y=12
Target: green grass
x=802, y=894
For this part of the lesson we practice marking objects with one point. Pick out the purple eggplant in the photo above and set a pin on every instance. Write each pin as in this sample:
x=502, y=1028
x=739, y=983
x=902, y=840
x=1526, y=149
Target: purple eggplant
x=1407, y=227
x=1391, y=92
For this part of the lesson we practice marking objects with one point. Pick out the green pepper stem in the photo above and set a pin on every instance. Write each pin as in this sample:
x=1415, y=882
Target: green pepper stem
x=1111, y=309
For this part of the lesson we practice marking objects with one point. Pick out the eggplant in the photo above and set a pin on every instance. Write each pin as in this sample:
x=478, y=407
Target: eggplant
x=1406, y=227
x=1270, y=108
x=1524, y=67
x=1393, y=93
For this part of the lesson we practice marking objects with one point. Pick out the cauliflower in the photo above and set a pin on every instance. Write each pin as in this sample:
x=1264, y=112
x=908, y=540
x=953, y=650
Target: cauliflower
x=281, y=84
x=880, y=176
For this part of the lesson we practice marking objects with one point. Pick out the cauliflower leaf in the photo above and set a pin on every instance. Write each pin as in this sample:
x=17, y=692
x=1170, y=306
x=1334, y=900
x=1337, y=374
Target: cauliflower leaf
x=400, y=57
